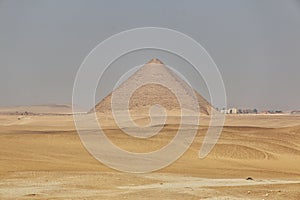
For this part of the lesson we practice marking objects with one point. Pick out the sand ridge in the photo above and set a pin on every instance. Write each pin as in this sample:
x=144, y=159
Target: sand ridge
x=42, y=157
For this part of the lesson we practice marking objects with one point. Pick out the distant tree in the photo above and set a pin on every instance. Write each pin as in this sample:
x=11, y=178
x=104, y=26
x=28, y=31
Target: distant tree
x=255, y=111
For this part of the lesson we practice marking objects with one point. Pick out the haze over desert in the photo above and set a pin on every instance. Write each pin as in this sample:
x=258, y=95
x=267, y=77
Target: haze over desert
x=149, y=100
x=42, y=157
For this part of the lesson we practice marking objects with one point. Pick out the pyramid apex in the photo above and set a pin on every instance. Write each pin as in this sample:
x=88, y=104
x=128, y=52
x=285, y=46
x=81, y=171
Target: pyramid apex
x=155, y=61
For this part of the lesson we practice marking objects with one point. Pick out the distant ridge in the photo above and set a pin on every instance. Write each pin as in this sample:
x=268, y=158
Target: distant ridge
x=37, y=109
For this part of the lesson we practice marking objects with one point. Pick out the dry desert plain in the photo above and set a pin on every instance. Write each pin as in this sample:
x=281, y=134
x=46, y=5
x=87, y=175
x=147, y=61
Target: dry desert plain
x=42, y=157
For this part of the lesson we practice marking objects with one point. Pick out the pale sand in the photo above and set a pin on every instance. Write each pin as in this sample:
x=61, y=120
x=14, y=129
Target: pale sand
x=42, y=157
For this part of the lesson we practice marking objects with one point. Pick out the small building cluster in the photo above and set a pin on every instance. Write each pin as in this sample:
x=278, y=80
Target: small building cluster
x=248, y=111
x=272, y=112
x=238, y=111
x=295, y=112
x=252, y=111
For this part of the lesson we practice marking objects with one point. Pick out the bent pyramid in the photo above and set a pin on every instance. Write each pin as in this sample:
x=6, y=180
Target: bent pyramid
x=147, y=95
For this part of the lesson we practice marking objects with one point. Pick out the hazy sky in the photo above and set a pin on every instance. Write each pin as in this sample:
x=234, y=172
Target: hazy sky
x=255, y=44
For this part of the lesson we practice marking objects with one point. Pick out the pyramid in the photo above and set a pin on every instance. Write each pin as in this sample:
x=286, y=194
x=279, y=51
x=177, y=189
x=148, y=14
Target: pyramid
x=147, y=95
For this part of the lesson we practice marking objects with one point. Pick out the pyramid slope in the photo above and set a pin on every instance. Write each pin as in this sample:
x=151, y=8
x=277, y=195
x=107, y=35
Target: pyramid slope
x=150, y=94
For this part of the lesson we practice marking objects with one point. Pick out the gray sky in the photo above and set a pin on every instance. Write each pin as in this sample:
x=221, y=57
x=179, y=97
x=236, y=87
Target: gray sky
x=255, y=44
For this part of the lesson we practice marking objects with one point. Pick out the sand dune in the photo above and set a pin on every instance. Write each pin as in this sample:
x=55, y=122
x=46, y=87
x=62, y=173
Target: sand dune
x=42, y=157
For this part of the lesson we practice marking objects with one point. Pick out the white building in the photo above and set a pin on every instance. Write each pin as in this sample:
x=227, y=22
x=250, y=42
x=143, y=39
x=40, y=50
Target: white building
x=229, y=111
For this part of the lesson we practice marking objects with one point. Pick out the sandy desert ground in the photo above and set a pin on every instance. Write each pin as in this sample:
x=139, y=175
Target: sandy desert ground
x=42, y=157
